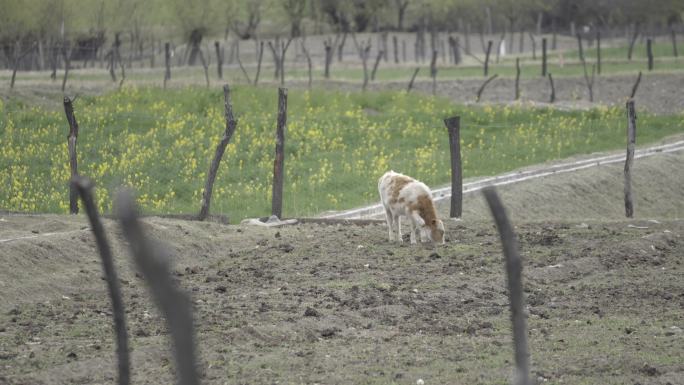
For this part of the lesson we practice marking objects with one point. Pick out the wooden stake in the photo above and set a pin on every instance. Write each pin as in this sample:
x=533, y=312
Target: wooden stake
x=261, y=56
x=167, y=63
x=487, y=53
x=433, y=71
x=631, y=141
x=73, y=162
x=598, y=52
x=544, y=56
x=219, y=59
x=515, y=289
x=517, y=78
x=279, y=163
x=635, y=86
x=231, y=123
x=413, y=77
x=453, y=125
x=649, y=52
x=553, y=89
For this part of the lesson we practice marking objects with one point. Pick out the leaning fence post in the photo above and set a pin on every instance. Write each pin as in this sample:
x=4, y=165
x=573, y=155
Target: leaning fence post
x=543, y=56
x=413, y=78
x=84, y=187
x=453, y=125
x=517, y=78
x=278, y=163
x=631, y=140
x=231, y=123
x=487, y=53
x=515, y=290
x=167, y=63
x=433, y=71
x=73, y=162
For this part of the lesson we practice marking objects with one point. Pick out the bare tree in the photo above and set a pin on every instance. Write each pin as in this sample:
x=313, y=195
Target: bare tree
x=401, y=11
x=247, y=30
x=295, y=13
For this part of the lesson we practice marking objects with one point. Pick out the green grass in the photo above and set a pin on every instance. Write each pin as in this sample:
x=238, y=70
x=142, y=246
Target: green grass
x=337, y=145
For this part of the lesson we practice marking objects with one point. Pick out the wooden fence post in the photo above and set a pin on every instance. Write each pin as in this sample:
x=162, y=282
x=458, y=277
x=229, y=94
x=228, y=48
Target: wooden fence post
x=453, y=125
x=598, y=52
x=553, y=89
x=673, y=37
x=635, y=86
x=395, y=44
x=413, y=78
x=167, y=63
x=259, y=59
x=579, y=46
x=631, y=140
x=433, y=71
x=231, y=123
x=649, y=52
x=219, y=59
x=73, y=162
x=517, y=78
x=279, y=162
x=486, y=63
x=375, y=65
x=515, y=290
x=85, y=189
x=544, y=56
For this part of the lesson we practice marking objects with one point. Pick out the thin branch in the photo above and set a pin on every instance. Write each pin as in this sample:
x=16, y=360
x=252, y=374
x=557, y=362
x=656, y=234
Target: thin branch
x=152, y=260
x=84, y=187
x=479, y=92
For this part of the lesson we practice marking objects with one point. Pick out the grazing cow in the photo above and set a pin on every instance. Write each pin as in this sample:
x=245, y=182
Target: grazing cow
x=403, y=195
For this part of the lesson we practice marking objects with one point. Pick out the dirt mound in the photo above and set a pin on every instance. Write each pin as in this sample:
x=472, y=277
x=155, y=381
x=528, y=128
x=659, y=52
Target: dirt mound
x=339, y=304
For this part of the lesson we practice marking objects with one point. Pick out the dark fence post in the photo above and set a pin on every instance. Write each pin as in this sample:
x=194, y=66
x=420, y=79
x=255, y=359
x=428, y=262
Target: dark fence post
x=631, y=140
x=73, y=162
x=279, y=163
x=673, y=36
x=649, y=52
x=598, y=52
x=486, y=63
x=635, y=86
x=219, y=59
x=231, y=123
x=453, y=125
x=413, y=78
x=167, y=63
x=395, y=45
x=515, y=290
x=375, y=65
x=85, y=189
x=544, y=56
x=259, y=59
x=553, y=89
x=433, y=72
x=517, y=78
x=579, y=46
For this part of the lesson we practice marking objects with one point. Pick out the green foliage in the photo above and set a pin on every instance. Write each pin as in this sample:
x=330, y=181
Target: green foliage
x=337, y=145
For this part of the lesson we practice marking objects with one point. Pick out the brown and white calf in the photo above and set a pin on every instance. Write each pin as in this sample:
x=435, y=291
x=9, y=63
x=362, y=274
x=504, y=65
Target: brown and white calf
x=403, y=195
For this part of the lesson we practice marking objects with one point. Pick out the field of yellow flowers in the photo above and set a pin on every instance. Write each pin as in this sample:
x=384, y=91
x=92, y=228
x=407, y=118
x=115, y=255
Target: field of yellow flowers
x=337, y=145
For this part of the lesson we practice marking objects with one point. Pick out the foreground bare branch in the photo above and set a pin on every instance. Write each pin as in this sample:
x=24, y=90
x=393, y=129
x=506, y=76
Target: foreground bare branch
x=152, y=261
x=515, y=291
x=85, y=189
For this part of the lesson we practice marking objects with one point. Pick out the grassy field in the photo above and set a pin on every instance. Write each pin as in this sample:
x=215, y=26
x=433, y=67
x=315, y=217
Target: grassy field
x=337, y=145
